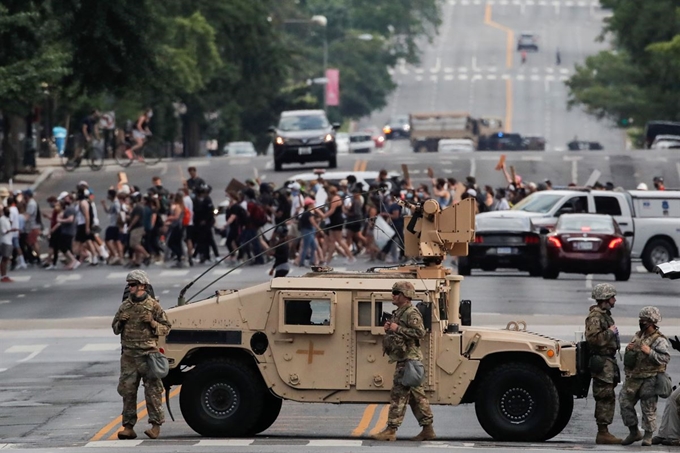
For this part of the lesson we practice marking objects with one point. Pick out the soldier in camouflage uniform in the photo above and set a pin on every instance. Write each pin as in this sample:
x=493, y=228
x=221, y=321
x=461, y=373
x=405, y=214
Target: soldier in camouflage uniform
x=602, y=336
x=140, y=320
x=402, y=343
x=646, y=356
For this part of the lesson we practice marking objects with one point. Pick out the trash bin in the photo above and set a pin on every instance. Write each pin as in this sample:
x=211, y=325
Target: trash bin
x=59, y=134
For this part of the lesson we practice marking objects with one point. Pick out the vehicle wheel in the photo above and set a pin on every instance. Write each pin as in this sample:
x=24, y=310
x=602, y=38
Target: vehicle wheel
x=563, y=415
x=422, y=149
x=122, y=159
x=517, y=402
x=333, y=162
x=278, y=166
x=623, y=273
x=535, y=270
x=153, y=152
x=464, y=265
x=270, y=412
x=223, y=398
x=657, y=251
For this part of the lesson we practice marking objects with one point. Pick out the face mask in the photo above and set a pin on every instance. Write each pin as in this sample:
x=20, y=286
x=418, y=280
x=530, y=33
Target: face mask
x=409, y=196
x=341, y=193
x=643, y=326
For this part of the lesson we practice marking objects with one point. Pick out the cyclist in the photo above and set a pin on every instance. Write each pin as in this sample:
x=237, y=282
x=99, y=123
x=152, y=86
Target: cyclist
x=89, y=129
x=140, y=133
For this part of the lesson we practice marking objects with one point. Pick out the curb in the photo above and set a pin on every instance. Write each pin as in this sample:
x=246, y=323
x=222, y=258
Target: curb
x=44, y=176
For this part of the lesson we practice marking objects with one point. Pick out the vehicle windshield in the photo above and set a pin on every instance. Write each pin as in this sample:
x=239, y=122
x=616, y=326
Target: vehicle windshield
x=538, y=202
x=303, y=123
x=359, y=138
x=398, y=120
x=585, y=224
x=502, y=224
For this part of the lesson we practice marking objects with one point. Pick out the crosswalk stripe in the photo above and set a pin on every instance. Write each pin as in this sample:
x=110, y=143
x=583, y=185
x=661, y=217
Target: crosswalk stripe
x=218, y=272
x=116, y=275
x=20, y=278
x=174, y=273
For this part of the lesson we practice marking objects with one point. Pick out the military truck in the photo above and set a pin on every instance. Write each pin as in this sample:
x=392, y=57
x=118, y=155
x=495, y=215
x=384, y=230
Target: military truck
x=317, y=338
x=428, y=128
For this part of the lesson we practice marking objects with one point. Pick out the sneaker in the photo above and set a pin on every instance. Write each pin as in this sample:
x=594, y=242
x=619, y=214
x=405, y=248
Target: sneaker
x=21, y=266
x=6, y=279
x=50, y=267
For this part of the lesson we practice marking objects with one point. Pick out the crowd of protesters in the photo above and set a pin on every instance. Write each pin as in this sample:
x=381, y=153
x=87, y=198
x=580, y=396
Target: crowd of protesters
x=316, y=222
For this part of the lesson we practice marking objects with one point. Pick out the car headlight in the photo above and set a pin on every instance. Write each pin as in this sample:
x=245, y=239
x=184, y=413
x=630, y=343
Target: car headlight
x=387, y=129
x=328, y=138
x=279, y=140
x=407, y=127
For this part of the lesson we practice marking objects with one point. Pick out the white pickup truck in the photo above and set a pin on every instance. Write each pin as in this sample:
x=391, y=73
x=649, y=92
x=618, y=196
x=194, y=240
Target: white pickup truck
x=652, y=216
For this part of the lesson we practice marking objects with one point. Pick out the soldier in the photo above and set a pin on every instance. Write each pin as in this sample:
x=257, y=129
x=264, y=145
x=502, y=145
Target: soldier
x=646, y=356
x=140, y=320
x=602, y=336
x=402, y=342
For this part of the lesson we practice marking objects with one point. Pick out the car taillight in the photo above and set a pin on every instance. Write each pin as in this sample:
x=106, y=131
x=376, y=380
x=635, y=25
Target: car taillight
x=479, y=240
x=554, y=242
x=532, y=239
x=616, y=242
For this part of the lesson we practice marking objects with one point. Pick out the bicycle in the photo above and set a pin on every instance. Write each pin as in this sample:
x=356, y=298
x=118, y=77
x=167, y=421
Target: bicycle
x=150, y=153
x=94, y=155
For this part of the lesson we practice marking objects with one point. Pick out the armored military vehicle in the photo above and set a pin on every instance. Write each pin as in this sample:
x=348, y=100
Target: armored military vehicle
x=317, y=338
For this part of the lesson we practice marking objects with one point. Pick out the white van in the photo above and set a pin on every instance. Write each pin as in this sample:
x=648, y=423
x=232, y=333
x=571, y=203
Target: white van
x=455, y=145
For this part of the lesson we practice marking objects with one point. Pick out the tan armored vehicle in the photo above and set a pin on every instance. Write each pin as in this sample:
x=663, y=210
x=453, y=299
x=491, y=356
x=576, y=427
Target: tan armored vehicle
x=318, y=339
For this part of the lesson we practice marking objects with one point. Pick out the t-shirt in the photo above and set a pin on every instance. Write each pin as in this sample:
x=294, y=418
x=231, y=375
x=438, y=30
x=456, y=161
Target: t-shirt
x=398, y=223
x=194, y=183
x=189, y=204
x=14, y=217
x=113, y=212
x=148, y=214
x=304, y=223
x=89, y=123
x=5, y=235
x=70, y=227
x=137, y=211
x=31, y=215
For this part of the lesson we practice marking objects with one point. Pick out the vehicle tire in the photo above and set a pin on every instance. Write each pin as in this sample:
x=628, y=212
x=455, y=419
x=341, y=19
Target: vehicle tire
x=623, y=273
x=517, y=402
x=278, y=166
x=223, y=398
x=657, y=251
x=550, y=273
x=333, y=162
x=270, y=412
x=535, y=270
x=422, y=149
x=153, y=152
x=464, y=265
x=563, y=414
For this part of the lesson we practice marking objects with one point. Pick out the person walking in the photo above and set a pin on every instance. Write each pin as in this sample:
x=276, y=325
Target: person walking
x=6, y=247
x=402, y=343
x=140, y=321
x=646, y=356
x=603, y=340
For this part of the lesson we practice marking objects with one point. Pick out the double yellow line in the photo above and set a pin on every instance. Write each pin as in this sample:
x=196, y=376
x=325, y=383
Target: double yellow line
x=367, y=418
x=116, y=423
x=509, y=52
x=360, y=165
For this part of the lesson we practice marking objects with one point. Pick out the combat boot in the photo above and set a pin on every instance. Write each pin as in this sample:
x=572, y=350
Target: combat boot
x=647, y=439
x=127, y=433
x=426, y=434
x=389, y=434
x=604, y=437
x=634, y=436
x=154, y=432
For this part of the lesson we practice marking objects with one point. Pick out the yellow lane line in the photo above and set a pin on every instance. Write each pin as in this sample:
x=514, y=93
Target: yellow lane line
x=356, y=165
x=364, y=165
x=365, y=420
x=382, y=420
x=510, y=35
x=508, y=105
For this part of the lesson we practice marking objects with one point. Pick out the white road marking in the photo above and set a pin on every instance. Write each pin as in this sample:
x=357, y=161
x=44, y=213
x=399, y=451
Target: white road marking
x=20, y=278
x=640, y=268
x=520, y=77
x=564, y=71
x=165, y=291
x=473, y=167
x=21, y=295
x=462, y=76
x=32, y=349
x=589, y=281
x=224, y=442
x=174, y=273
x=115, y=443
x=491, y=77
x=60, y=279
x=419, y=78
x=533, y=158
x=334, y=443
x=198, y=163
x=448, y=69
x=1, y=370
x=564, y=78
x=269, y=165
x=98, y=347
x=434, y=78
x=535, y=77
x=505, y=77
x=448, y=77
x=419, y=70
x=549, y=77
x=116, y=275
x=3, y=302
x=462, y=69
x=574, y=172
x=476, y=77
x=218, y=272
x=572, y=158
x=437, y=66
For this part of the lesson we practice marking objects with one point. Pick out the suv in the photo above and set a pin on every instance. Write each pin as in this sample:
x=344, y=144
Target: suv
x=527, y=41
x=397, y=126
x=304, y=136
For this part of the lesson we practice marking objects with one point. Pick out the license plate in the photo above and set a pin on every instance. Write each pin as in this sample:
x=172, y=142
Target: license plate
x=305, y=150
x=583, y=245
x=504, y=250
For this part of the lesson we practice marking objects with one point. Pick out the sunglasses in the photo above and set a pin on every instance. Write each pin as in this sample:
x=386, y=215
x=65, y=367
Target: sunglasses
x=133, y=284
x=396, y=293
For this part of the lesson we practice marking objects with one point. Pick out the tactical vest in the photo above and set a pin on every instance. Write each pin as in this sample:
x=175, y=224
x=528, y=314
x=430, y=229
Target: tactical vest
x=642, y=366
x=138, y=334
x=614, y=344
x=397, y=346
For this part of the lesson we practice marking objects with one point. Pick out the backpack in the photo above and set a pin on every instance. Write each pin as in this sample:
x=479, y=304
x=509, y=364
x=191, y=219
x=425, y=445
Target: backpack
x=186, y=218
x=257, y=215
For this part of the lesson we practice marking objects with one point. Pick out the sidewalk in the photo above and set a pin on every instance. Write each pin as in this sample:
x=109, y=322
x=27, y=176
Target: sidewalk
x=23, y=181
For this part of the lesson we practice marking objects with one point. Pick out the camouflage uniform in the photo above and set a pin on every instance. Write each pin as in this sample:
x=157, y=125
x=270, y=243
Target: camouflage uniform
x=410, y=332
x=138, y=338
x=603, y=345
x=641, y=370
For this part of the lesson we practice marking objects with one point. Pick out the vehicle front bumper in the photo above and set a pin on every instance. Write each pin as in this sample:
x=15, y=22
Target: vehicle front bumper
x=291, y=153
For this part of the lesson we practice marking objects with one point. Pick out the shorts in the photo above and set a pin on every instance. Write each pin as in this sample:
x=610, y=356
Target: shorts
x=136, y=236
x=354, y=226
x=138, y=134
x=65, y=243
x=53, y=243
x=6, y=251
x=112, y=234
x=190, y=233
x=33, y=236
x=82, y=236
x=15, y=242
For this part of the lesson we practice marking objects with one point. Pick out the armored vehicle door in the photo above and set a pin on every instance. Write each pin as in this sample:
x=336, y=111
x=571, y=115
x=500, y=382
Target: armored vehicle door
x=373, y=371
x=311, y=342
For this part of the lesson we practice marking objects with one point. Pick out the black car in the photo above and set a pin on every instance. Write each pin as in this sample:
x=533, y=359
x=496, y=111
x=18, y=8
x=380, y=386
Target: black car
x=501, y=141
x=503, y=242
x=397, y=126
x=579, y=145
x=304, y=136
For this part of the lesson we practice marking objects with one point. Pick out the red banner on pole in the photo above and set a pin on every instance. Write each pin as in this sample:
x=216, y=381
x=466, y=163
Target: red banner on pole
x=333, y=87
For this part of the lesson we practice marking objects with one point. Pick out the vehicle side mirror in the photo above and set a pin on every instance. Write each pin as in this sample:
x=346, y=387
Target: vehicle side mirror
x=336, y=126
x=271, y=130
x=628, y=234
x=544, y=231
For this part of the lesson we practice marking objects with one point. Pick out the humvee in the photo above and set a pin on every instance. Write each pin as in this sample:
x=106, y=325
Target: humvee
x=317, y=338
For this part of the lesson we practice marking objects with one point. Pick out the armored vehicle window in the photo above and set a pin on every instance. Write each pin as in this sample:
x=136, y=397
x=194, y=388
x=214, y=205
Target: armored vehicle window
x=383, y=311
x=364, y=313
x=308, y=312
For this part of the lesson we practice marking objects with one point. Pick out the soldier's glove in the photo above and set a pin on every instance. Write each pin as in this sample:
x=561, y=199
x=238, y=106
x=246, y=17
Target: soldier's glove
x=675, y=343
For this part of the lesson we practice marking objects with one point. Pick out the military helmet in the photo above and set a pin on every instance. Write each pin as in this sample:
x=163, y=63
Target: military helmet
x=405, y=288
x=651, y=313
x=138, y=276
x=603, y=291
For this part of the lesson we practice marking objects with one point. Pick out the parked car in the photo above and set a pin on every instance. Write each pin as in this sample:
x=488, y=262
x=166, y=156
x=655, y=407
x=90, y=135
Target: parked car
x=455, y=145
x=583, y=145
x=241, y=149
x=533, y=143
x=342, y=142
x=655, y=128
x=304, y=136
x=501, y=141
x=376, y=135
x=361, y=142
x=527, y=41
x=397, y=127
x=586, y=244
x=503, y=242
x=666, y=142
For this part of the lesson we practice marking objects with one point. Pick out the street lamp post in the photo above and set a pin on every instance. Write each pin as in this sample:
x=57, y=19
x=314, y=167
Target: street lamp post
x=323, y=22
